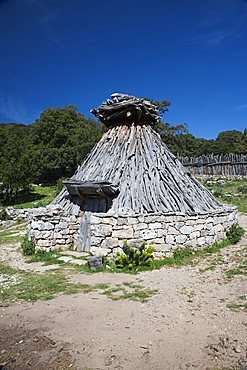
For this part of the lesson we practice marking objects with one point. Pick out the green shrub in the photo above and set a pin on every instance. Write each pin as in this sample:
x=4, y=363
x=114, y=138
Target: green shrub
x=242, y=189
x=27, y=246
x=3, y=214
x=134, y=257
x=235, y=233
x=59, y=185
x=218, y=193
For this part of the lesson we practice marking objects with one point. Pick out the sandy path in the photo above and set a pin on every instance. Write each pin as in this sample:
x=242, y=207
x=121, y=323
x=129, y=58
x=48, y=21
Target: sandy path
x=186, y=326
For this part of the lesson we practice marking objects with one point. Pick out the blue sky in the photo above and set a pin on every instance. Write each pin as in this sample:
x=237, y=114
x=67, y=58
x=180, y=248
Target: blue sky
x=192, y=52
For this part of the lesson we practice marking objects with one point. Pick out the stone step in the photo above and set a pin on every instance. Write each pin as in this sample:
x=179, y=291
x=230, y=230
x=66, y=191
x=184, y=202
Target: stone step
x=75, y=254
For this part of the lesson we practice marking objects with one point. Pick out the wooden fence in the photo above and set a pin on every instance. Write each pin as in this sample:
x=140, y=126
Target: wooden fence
x=229, y=165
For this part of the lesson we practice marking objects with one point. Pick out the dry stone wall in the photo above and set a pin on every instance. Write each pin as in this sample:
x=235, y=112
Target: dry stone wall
x=23, y=213
x=165, y=232
x=53, y=228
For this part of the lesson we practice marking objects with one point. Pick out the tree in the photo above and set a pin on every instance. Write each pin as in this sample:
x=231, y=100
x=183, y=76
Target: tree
x=61, y=138
x=230, y=142
x=15, y=174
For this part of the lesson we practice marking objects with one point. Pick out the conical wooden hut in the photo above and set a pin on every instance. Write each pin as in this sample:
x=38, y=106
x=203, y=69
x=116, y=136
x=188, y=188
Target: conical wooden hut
x=132, y=187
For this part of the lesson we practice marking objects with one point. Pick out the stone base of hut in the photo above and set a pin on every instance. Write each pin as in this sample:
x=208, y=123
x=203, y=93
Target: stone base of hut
x=53, y=228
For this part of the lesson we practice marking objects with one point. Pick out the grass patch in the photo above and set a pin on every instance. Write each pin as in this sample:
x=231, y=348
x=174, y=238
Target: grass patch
x=239, y=306
x=7, y=270
x=229, y=191
x=32, y=287
x=236, y=307
x=47, y=258
x=11, y=236
x=5, y=357
x=38, y=196
x=135, y=292
x=241, y=270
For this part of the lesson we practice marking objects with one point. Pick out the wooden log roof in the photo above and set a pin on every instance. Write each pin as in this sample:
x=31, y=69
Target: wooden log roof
x=147, y=175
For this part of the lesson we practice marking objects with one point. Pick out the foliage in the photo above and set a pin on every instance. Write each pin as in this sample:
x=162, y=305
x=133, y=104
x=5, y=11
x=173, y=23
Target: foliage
x=58, y=141
x=161, y=105
x=134, y=257
x=228, y=191
x=59, y=185
x=3, y=214
x=27, y=246
x=36, y=196
x=242, y=189
x=235, y=233
x=15, y=173
x=61, y=138
x=46, y=257
x=186, y=144
x=44, y=151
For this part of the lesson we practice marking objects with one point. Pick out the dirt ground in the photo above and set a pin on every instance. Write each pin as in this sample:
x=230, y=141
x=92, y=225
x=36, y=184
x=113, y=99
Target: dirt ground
x=196, y=321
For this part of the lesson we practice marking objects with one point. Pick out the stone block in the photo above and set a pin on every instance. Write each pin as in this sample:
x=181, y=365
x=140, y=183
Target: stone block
x=155, y=225
x=207, y=232
x=218, y=228
x=140, y=226
x=201, y=241
x=180, y=239
x=191, y=243
x=95, y=240
x=95, y=262
x=187, y=230
x=35, y=225
x=170, y=239
x=232, y=216
x=98, y=251
x=78, y=262
x=148, y=234
x=102, y=230
x=122, y=221
x=132, y=220
x=172, y=231
x=209, y=220
x=156, y=241
x=108, y=220
x=60, y=241
x=110, y=243
x=63, y=224
x=161, y=232
x=43, y=243
x=198, y=227
x=210, y=240
x=220, y=236
x=57, y=235
x=65, y=232
x=195, y=235
x=159, y=255
x=209, y=226
x=141, y=219
x=123, y=234
x=47, y=234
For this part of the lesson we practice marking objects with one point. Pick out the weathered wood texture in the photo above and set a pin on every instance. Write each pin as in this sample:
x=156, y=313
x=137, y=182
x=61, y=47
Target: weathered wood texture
x=228, y=165
x=84, y=240
x=123, y=109
x=149, y=177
